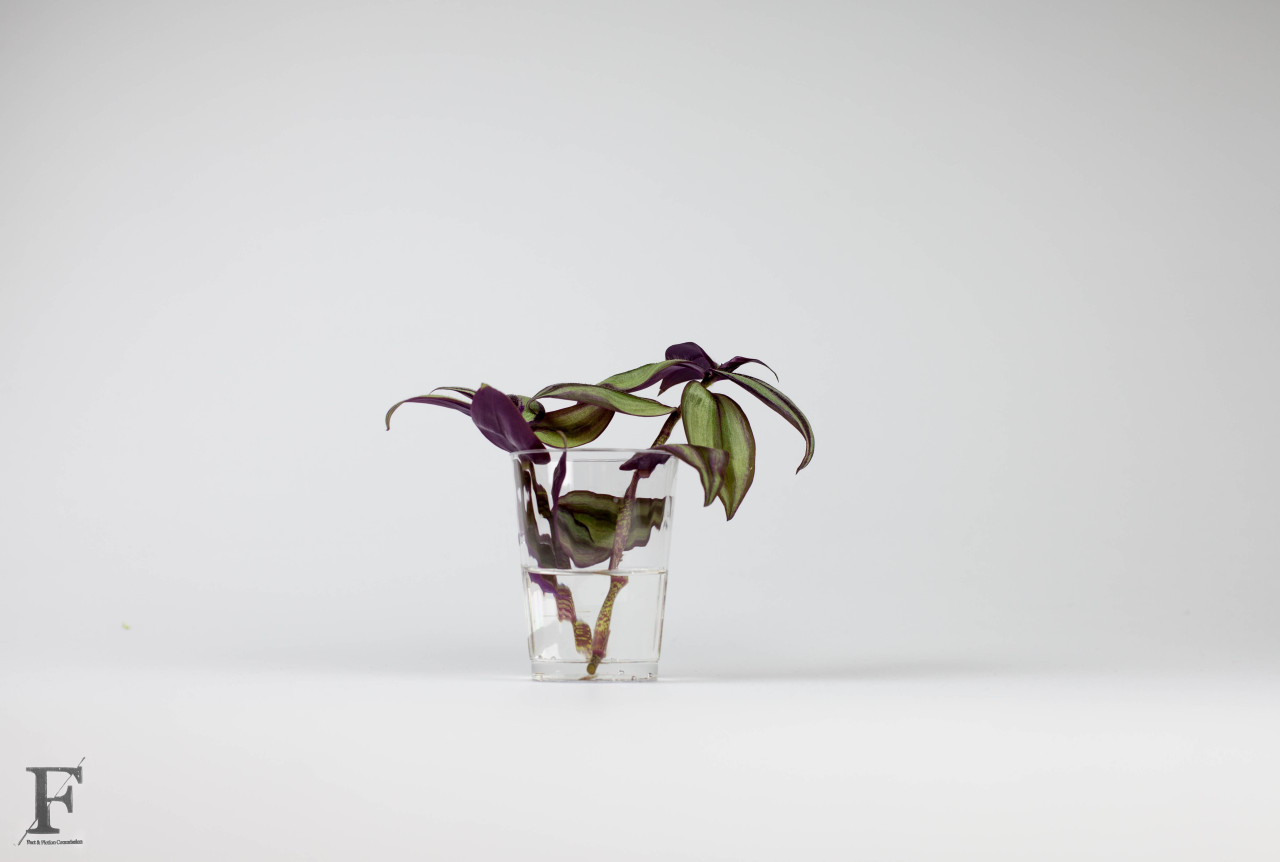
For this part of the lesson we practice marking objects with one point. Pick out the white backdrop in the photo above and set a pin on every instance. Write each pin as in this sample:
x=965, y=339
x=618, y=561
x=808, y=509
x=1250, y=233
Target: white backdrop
x=1016, y=262
x=1017, y=267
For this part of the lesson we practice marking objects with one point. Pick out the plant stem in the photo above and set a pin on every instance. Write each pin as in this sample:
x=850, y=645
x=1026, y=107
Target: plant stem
x=620, y=535
x=667, y=428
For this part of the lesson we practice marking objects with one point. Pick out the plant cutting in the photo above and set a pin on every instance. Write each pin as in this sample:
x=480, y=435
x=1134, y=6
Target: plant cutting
x=595, y=523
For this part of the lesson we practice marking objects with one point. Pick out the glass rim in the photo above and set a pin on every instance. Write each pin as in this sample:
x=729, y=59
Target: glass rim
x=553, y=450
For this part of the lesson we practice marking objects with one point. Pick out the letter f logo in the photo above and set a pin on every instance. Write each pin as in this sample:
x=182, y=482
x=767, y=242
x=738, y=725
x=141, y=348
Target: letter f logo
x=44, y=800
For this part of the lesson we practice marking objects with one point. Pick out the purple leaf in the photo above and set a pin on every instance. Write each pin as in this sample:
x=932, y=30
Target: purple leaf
x=645, y=462
x=676, y=376
x=692, y=352
x=499, y=420
x=738, y=361
x=438, y=400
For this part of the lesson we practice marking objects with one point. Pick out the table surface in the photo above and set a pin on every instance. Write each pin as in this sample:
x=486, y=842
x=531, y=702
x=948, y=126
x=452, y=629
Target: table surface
x=891, y=762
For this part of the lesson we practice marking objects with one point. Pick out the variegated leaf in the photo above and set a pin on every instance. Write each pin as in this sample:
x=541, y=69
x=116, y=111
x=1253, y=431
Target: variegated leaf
x=781, y=404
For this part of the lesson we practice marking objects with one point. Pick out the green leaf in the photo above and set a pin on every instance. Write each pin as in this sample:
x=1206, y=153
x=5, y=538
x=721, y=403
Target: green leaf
x=781, y=404
x=580, y=424
x=710, y=464
x=700, y=416
x=739, y=444
x=644, y=376
x=587, y=522
x=610, y=399
x=530, y=409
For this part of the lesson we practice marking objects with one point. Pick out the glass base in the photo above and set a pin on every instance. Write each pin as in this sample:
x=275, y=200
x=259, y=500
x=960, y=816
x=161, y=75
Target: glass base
x=609, y=671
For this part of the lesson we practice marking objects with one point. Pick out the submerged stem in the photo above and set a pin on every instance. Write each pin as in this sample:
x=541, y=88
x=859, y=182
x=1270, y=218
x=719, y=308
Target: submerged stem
x=620, y=535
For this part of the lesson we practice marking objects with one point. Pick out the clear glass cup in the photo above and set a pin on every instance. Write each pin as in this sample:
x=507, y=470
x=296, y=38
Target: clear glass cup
x=595, y=534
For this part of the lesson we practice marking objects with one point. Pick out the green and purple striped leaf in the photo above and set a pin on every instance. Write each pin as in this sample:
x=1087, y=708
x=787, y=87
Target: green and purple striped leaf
x=530, y=409
x=699, y=414
x=470, y=393
x=603, y=396
x=710, y=464
x=739, y=445
x=647, y=375
x=781, y=404
x=580, y=424
x=587, y=523
x=716, y=421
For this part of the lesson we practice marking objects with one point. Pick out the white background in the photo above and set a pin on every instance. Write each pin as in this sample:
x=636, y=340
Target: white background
x=1016, y=262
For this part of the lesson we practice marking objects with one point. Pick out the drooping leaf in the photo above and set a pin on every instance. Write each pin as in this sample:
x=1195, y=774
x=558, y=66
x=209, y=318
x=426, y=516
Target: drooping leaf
x=647, y=375
x=499, y=420
x=738, y=361
x=610, y=399
x=438, y=400
x=587, y=522
x=557, y=479
x=781, y=404
x=580, y=424
x=739, y=444
x=700, y=416
x=470, y=393
x=710, y=464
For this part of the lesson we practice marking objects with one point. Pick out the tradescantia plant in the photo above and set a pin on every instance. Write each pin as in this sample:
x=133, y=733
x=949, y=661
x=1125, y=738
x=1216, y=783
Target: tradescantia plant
x=585, y=529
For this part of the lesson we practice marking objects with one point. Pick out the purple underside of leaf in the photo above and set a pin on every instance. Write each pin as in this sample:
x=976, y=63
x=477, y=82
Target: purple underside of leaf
x=645, y=462
x=499, y=420
x=692, y=352
x=438, y=400
x=676, y=376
